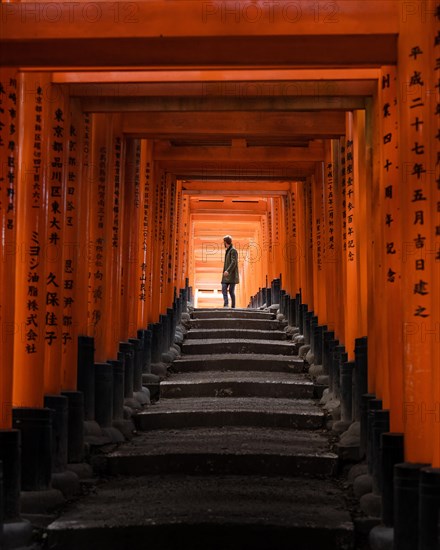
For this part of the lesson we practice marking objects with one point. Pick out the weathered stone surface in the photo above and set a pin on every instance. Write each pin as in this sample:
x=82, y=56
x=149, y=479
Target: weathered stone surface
x=249, y=411
x=229, y=457
x=238, y=362
x=231, y=450
x=240, y=333
x=235, y=323
x=201, y=512
x=239, y=346
x=231, y=313
x=237, y=384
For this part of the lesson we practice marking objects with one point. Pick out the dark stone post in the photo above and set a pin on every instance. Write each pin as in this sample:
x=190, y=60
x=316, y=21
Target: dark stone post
x=11, y=460
x=137, y=364
x=365, y=406
x=303, y=320
x=328, y=344
x=163, y=321
x=35, y=426
x=406, y=505
x=334, y=382
x=75, y=426
x=58, y=405
x=118, y=386
x=86, y=374
x=381, y=425
x=360, y=375
x=392, y=454
x=127, y=349
x=104, y=394
x=373, y=406
x=346, y=373
x=147, y=336
x=268, y=297
x=276, y=289
x=429, y=508
x=156, y=342
x=292, y=313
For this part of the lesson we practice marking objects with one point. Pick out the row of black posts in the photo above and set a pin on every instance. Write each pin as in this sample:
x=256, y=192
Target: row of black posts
x=409, y=493
x=43, y=441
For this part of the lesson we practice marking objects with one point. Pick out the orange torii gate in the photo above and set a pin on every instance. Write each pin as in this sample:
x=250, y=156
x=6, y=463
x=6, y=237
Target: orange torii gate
x=365, y=234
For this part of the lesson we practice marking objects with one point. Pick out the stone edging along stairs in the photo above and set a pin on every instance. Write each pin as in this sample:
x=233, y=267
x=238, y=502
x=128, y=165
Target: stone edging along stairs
x=234, y=454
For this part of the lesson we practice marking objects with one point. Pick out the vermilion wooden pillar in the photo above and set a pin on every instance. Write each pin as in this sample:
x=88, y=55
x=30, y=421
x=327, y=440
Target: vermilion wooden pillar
x=74, y=313
x=191, y=258
x=184, y=236
x=293, y=245
x=339, y=176
x=113, y=227
x=56, y=155
x=386, y=355
x=307, y=219
x=100, y=144
x=30, y=297
x=178, y=241
x=331, y=252
x=417, y=143
x=282, y=240
x=157, y=268
x=170, y=238
x=351, y=170
x=265, y=244
x=363, y=180
x=87, y=175
x=146, y=243
x=288, y=243
x=9, y=140
x=132, y=219
x=434, y=329
x=319, y=228
x=302, y=244
x=272, y=267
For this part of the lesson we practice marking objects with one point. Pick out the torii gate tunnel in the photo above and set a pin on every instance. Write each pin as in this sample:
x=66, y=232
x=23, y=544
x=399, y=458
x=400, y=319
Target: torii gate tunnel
x=135, y=135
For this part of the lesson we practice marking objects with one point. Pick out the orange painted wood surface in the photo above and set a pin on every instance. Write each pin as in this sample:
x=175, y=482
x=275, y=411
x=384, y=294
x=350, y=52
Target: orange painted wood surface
x=55, y=153
x=76, y=238
x=9, y=141
x=30, y=289
x=420, y=411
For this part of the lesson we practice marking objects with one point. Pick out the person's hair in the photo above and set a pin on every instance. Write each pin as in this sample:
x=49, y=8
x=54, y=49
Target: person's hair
x=227, y=239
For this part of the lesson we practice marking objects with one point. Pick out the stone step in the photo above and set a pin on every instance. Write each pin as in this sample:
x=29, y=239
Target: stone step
x=220, y=451
x=251, y=334
x=236, y=362
x=227, y=313
x=188, y=412
x=254, y=324
x=239, y=345
x=207, y=512
x=237, y=384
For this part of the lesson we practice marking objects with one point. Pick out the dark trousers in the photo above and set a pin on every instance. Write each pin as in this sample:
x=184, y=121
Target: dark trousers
x=231, y=292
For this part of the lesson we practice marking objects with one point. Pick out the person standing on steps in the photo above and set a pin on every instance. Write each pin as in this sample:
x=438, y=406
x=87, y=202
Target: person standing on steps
x=230, y=271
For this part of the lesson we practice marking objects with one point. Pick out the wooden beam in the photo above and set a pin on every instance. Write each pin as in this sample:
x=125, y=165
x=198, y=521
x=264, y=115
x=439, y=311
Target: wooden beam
x=175, y=104
x=325, y=124
x=185, y=18
x=370, y=50
x=239, y=171
x=240, y=187
x=207, y=216
x=163, y=151
x=219, y=81
x=295, y=83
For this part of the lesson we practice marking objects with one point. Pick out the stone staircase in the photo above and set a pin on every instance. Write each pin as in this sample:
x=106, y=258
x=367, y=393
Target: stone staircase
x=234, y=455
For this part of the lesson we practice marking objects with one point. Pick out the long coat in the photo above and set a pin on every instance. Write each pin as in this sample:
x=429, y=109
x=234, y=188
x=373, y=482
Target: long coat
x=231, y=266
